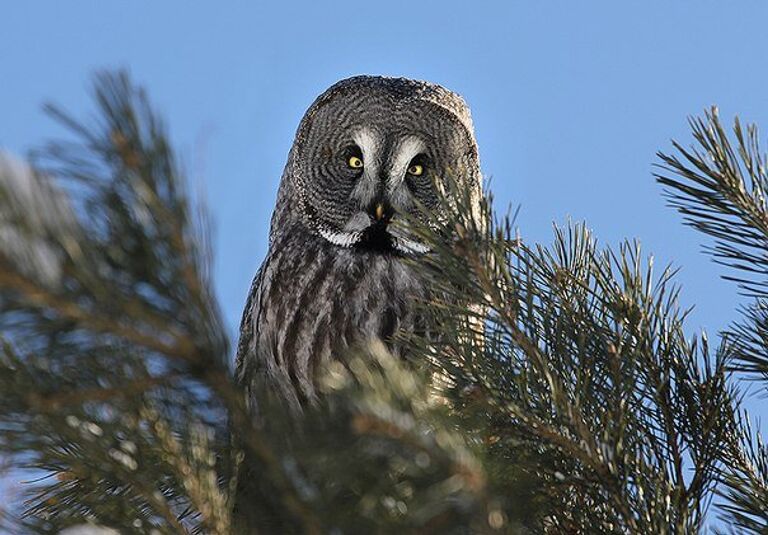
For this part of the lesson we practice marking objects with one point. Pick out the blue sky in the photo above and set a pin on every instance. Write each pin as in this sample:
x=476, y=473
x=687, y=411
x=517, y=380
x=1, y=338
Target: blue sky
x=571, y=100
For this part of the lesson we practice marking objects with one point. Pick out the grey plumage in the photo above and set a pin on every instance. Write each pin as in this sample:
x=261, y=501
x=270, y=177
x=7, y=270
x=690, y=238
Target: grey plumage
x=368, y=149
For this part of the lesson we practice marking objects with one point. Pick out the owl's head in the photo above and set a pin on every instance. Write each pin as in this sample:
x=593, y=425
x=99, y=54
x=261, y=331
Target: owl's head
x=372, y=148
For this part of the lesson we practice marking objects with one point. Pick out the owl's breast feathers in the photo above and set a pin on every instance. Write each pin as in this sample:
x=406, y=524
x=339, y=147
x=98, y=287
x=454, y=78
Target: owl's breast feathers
x=311, y=302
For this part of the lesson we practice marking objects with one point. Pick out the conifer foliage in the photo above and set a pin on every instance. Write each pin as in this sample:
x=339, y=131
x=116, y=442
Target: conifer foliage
x=557, y=389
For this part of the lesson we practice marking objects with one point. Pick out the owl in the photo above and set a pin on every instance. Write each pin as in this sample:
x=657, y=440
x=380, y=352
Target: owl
x=368, y=150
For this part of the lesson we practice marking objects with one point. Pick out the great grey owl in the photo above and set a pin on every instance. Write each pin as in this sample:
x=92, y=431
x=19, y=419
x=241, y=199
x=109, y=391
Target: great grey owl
x=368, y=149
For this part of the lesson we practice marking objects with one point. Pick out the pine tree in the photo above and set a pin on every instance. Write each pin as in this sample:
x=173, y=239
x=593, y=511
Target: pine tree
x=557, y=392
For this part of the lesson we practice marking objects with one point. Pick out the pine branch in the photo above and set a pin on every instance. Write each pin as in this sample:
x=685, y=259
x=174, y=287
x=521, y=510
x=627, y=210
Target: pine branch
x=745, y=481
x=720, y=188
x=108, y=317
x=583, y=372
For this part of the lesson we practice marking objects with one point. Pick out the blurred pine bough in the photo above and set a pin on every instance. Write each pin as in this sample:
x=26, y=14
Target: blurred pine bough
x=560, y=395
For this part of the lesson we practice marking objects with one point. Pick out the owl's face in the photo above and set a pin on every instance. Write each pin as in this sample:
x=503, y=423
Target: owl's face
x=369, y=152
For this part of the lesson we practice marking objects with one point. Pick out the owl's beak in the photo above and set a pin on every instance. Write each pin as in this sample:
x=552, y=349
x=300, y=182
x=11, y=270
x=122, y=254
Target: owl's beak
x=381, y=212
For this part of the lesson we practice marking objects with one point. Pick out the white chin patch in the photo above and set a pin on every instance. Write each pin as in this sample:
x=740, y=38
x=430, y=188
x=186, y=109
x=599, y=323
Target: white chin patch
x=404, y=245
x=350, y=239
x=342, y=239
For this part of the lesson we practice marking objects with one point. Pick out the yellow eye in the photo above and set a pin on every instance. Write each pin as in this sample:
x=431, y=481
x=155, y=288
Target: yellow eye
x=416, y=170
x=354, y=162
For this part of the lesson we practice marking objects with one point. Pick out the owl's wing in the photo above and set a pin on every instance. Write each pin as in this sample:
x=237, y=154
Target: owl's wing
x=248, y=325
